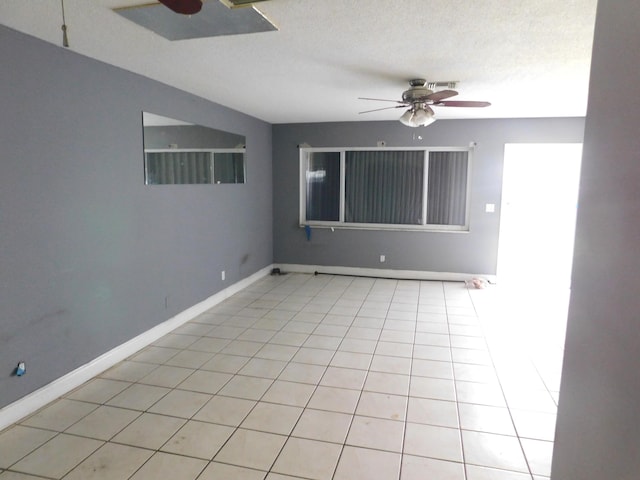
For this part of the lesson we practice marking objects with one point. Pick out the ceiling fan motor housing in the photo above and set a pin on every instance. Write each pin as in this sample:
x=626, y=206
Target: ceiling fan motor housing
x=418, y=92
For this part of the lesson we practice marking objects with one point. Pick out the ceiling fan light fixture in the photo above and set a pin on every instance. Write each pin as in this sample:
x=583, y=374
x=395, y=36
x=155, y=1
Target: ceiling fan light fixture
x=426, y=119
x=407, y=117
x=418, y=116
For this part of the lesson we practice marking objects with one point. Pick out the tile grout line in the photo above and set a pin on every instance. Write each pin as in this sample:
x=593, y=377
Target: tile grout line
x=353, y=415
x=493, y=365
x=411, y=376
x=455, y=387
x=258, y=401
x=317, y=384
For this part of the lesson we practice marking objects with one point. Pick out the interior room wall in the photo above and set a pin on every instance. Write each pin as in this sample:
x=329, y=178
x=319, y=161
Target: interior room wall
x=599, y=415
x=90, y=257
x=473, y=252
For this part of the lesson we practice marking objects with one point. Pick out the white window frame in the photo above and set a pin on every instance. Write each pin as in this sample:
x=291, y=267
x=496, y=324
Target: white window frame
x=304, y=163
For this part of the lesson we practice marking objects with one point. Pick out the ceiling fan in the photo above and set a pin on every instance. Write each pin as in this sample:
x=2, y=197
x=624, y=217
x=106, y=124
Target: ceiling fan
x=420, y=97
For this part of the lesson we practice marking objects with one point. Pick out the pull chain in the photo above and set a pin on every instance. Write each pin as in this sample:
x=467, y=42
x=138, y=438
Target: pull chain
x=65, y=39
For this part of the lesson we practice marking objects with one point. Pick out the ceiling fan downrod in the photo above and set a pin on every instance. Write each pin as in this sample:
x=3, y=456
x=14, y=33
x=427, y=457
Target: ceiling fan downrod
x=65, y=38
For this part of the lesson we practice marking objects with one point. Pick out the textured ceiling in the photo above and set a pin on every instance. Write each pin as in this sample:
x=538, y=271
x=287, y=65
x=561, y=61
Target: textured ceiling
x=529, y=58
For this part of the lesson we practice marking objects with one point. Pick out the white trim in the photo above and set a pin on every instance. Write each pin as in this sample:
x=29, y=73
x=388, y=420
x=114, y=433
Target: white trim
x=30, y=403
x=467, y=211
x=199, y=150
x=393, y=149
x=425, y=187
x=302, y=204
x=343, y=186
x=398, y=227
x=383, y=273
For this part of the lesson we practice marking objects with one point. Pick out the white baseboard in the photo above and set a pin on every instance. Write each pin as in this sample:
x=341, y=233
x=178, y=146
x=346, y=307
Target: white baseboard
x=30, y=403
x=383, y=273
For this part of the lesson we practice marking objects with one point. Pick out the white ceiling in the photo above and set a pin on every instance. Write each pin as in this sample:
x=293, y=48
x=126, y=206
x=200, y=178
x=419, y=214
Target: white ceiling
x=529, y=58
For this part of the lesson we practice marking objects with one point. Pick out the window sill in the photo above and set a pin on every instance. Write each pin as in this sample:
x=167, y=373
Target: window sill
x=389, y=228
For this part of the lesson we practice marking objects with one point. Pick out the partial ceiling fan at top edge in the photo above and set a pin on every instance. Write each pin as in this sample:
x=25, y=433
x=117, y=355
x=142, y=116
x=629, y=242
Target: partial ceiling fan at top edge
x=240, y=3
x=184, y=7
x=191, y=7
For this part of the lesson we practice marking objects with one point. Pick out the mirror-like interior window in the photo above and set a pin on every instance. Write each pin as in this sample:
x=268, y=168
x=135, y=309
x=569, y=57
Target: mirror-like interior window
x=169, y=167
x=180, y=153
x=228, y=167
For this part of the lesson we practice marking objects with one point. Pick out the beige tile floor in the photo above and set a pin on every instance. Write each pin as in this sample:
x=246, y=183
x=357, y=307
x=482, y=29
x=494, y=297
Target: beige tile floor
x=319, y=377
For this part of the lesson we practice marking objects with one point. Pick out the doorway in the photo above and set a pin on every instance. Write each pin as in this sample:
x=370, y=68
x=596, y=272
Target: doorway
x=538, y=213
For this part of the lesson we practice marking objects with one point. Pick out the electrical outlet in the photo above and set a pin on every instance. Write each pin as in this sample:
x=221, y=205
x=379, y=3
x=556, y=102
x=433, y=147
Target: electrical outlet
x=223, y=275
x=383, y=259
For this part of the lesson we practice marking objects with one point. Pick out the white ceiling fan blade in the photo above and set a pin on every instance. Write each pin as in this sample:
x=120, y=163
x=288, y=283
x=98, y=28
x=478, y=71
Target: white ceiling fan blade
x=382, y=100
x=461, y=103
x=384, y=108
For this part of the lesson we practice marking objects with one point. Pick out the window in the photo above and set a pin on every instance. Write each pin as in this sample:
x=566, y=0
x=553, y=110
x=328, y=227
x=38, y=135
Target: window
x=323, y=187
x=424, y=189
x=172, y=166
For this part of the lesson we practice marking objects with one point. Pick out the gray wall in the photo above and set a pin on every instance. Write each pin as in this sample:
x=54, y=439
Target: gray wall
x=88, y=254
x=472, y=252
x=599, y=411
